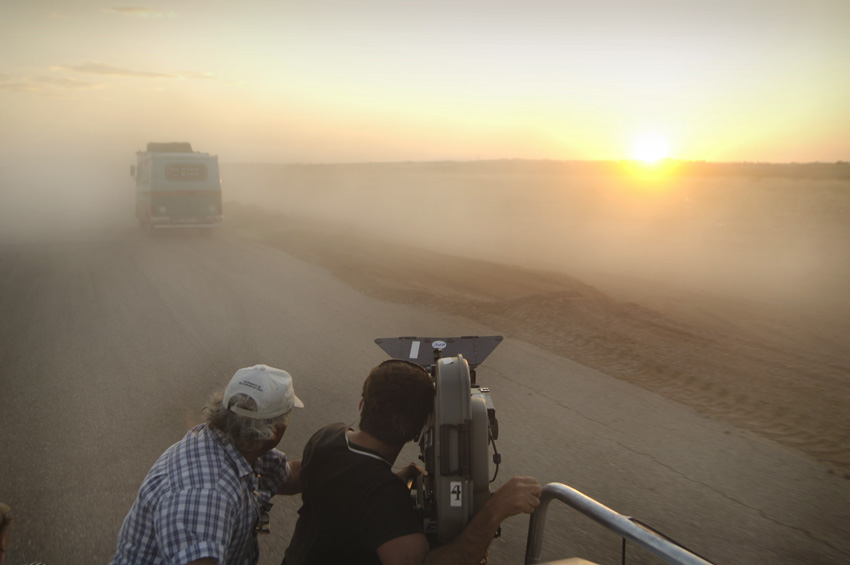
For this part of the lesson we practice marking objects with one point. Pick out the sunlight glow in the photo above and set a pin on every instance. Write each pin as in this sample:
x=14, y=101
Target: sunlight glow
x=650, y=148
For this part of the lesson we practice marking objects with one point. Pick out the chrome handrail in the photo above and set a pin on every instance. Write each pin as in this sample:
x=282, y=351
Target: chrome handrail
x=661, y=546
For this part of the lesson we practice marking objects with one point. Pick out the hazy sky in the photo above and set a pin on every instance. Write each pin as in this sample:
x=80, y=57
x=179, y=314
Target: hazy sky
x=339, y=80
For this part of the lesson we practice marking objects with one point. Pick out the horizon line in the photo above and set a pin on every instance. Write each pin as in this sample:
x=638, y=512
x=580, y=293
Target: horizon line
x=839, y=162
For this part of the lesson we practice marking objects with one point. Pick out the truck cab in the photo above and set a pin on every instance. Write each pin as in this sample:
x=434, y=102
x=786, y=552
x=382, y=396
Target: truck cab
x=176, y=187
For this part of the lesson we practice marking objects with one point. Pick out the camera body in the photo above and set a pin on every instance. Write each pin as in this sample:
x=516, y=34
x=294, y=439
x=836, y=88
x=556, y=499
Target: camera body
x=454, y=443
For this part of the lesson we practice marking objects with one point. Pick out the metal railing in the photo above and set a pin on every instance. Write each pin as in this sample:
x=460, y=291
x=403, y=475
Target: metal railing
x=656, y=543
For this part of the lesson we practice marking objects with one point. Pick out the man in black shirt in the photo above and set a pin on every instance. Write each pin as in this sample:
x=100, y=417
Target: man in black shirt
x=357, y=511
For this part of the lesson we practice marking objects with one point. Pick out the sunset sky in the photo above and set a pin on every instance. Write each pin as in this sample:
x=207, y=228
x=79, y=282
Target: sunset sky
x=343, y=81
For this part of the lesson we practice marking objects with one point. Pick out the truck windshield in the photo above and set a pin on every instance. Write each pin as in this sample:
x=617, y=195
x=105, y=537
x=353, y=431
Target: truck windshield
x=185, y=172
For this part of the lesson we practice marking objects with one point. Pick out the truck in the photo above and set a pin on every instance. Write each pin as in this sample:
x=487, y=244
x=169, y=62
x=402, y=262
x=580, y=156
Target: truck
x=176, y=187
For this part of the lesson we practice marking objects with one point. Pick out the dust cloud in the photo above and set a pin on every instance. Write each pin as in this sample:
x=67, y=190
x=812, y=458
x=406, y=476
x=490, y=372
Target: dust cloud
x=726, y=241
x=59, y=196
x=766, y=235
x=747, y=266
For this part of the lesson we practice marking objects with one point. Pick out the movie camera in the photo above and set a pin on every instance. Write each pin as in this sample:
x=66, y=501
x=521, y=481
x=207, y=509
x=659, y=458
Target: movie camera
x=454, y=444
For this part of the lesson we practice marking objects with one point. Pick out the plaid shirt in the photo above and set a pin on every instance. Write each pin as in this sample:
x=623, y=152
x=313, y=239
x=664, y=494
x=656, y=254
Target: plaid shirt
x=201, y=499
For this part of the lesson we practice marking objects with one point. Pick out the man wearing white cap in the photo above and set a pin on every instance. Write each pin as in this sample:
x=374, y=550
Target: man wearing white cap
x=207, y=496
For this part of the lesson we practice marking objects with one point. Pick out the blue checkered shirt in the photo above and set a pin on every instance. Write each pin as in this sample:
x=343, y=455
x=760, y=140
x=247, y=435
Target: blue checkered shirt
x=201, y=499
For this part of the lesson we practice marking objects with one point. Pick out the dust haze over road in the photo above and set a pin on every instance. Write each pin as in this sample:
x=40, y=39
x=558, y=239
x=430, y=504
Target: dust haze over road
x=60, y=196
x=119, y=327
x=724, y=233
x=756, y=252
x=751, y=236
x=773, y=237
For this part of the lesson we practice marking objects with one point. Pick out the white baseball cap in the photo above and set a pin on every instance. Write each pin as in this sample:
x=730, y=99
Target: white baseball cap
x=270, y=388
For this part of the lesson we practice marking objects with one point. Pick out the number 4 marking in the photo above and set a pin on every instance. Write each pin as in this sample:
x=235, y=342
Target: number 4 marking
x=456, y=490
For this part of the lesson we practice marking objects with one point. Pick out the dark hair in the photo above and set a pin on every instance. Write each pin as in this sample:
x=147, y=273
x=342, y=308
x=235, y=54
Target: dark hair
x=398, y=396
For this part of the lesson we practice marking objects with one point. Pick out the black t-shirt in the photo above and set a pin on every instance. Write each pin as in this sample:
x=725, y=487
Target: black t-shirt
x=352, y=503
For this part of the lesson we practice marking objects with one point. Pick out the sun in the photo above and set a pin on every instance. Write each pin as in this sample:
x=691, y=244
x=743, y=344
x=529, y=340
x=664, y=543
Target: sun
x=650, y=148
x=650, y=163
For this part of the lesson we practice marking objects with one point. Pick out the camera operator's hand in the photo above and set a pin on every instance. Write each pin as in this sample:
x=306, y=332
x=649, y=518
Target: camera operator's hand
x=518, y=495
x=410, y=472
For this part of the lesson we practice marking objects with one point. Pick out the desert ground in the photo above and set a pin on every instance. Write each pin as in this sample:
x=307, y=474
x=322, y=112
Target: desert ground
x=720, y=287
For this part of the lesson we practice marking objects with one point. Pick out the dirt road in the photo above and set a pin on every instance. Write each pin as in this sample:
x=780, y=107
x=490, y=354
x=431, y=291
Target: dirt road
x=112, y=343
